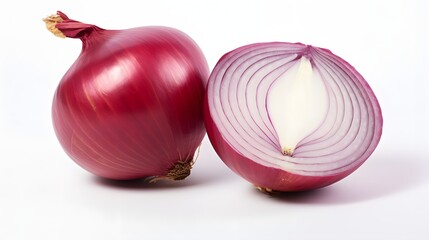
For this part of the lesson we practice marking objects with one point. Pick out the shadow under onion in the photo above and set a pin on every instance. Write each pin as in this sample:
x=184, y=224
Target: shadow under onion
x=142, y=183
x=200, y=175
x=381, y=177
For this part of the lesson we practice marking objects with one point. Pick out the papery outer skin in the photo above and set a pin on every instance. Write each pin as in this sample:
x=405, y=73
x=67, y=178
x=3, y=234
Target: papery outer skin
x=131, y=106
x=272, y=178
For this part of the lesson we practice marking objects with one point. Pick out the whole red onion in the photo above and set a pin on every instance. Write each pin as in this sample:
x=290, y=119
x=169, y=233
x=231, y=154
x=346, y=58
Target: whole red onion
x=131, y=106
x=289, y=116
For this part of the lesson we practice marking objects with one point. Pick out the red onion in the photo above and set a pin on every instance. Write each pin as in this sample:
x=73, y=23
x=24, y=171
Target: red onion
x=131, y=106
x=289, y=116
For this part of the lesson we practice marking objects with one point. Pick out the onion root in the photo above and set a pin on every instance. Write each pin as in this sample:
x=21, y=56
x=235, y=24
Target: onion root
x=179, y=171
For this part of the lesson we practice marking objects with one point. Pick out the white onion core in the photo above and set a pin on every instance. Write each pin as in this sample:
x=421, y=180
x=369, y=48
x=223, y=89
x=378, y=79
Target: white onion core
x=296, y=104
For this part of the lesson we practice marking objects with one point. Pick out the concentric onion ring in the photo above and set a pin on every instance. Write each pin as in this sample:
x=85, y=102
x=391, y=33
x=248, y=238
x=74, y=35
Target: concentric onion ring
x=289, y=116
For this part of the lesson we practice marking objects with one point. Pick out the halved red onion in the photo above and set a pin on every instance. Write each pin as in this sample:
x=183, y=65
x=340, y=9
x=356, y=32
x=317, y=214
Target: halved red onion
x=289, y=116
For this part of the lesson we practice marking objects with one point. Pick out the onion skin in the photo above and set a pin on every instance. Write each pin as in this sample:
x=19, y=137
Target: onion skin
x=131, y=106
x=273, y=178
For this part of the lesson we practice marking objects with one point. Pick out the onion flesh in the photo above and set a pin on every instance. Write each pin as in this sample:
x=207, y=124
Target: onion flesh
x=289, y=116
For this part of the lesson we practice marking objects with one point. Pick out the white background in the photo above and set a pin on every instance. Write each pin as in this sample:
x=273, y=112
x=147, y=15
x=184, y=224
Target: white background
x=45, y=195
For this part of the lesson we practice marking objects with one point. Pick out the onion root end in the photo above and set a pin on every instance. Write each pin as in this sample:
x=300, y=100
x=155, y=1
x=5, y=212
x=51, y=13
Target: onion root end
x=265, y=190
x=287, y=151
x=179, y=171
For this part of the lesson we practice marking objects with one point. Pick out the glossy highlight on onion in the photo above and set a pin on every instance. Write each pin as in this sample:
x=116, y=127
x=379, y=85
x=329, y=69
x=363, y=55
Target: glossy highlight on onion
x=131, y=105
x=290, y=116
